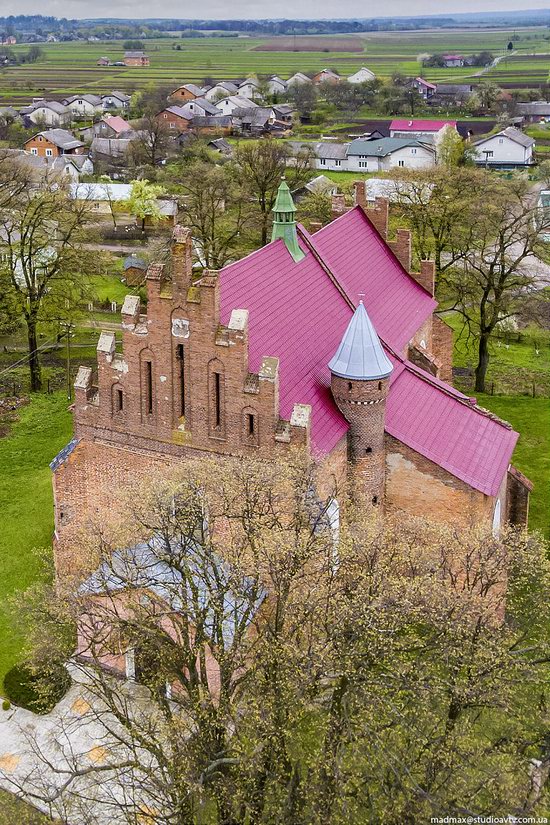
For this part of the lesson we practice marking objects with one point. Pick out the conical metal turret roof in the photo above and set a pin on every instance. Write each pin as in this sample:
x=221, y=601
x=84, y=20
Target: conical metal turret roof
x=360, y=355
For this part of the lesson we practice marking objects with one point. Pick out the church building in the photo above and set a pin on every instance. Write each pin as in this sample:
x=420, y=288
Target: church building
x=321, y=339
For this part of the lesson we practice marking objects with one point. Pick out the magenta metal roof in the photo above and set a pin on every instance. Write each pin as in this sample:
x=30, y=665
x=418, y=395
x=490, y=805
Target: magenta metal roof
x=298, y=313
x=366, y=268
x=420, y=125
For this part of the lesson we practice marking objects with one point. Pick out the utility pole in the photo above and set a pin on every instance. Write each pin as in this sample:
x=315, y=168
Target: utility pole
x=69, y=328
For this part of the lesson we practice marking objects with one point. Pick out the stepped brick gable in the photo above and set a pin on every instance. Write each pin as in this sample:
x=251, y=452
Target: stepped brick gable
x=326, y=341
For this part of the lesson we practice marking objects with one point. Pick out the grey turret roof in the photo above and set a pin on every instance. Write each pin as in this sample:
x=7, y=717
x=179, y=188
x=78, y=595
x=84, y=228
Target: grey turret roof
x=360, y=355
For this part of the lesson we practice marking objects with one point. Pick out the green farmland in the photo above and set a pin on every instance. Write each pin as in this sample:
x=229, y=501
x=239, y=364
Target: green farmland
x=69, y=67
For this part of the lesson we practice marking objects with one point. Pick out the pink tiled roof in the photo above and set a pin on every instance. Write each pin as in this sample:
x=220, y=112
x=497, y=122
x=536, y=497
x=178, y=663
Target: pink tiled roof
x=298, y=313
x=426, y=83
x=117, y=123
x=420, y=125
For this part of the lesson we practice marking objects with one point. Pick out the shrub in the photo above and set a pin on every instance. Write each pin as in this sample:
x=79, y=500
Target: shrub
x=6, y=704
x=36, y=691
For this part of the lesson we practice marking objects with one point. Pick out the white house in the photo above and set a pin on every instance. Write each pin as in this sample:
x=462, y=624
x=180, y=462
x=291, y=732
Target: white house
x=115, y=100
x=331, y=156
x=48, y=113
x=249, y=88
x=229, y=104
x=297, y=79
x=506, y=150
x=83, y=105
x=361, y=76
x=223, y=89
x=200, y=107
x=276, y=85
x=389, y=153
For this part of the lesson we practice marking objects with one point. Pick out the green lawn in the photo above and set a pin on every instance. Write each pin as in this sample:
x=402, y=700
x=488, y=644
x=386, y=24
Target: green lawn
x=26, y=503
x=531, y=418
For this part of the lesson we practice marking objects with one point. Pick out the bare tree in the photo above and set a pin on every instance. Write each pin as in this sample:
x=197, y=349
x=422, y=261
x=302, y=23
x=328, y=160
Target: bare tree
x=152, y=144
x=261, y=164
x=500, y=266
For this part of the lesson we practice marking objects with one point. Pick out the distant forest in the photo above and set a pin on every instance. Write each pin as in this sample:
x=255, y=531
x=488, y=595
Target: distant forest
x=115, y=27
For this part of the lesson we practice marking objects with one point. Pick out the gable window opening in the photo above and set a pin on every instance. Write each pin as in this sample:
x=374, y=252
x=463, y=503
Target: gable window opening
x=181, y=360
x=149, y=387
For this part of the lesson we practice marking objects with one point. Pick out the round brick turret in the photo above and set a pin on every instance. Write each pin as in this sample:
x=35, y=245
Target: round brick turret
x=363, y=405
x=360, y=383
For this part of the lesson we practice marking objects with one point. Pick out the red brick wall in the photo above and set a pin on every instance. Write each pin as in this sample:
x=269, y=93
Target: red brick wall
x=181, y=124
x=442, y=347
x=419, y=487
x=41, y=144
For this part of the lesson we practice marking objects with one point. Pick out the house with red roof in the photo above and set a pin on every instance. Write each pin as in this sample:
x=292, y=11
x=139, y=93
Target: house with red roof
x=424, y=88
x=324, y=341
x=418, y=128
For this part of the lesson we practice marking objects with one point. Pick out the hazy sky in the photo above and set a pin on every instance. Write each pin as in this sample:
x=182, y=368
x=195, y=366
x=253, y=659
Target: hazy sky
x=222, y=9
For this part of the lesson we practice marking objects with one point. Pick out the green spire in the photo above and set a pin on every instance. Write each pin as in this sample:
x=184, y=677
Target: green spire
x=284, y=221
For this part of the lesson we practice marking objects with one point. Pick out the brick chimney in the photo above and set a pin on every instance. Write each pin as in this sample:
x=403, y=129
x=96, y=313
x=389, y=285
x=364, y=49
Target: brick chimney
x=182, y=260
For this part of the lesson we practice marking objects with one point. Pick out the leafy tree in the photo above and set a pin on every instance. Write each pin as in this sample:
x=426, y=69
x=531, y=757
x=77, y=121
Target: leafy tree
x=143, y=201
x=134, y=45
x=43, y=258
x=295, y=697
x=452, y=150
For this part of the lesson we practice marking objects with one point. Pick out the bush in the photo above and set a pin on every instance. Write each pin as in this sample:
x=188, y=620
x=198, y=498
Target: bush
x=36, y=691
x=6, y=704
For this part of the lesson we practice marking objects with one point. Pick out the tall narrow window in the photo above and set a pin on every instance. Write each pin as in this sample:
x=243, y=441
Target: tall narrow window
x=119, y=400
x=181, y=361
x=217, y=400
x=149, y=387
x=250, y=424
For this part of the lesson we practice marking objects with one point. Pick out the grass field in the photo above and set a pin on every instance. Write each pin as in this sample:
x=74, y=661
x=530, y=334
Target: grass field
x=26, y=504
x=67, y=67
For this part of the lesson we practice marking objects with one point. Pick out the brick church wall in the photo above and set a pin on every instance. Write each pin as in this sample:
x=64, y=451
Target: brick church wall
x=418, y=486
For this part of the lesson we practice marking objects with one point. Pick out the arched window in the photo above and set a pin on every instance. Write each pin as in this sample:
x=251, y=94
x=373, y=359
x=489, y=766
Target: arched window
x=216, y=398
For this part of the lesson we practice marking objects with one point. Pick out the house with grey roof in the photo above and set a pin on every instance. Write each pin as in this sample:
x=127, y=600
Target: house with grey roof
x=537, y=110
x=297, y=79
x=222, y=89
x=509, y=149
x=276, y=85
x=83, y=105
x=228, y=105
x=115, y=100
x=331, y=156
x=201, y=107
x=389, y=153
x=47, y=113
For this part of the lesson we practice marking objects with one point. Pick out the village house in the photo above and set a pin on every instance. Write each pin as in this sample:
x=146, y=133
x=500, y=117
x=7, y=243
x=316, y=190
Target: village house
x=54, y=142
x=258, y=120
x=331, y=156
x=110, y=155
x=249, y=88
x=449, y=94
x=110, y=126
x=200, y=107
x=418, y=128
x=103, y=61
x=508, y=149
x=69, y=167
x=136, y=58
x=115, y=100
x=83, y=105
x=389, y=153
x=536, y=112
x=297, y=79
x=47, y=113
x=324, y=341
x=228, y=105
x=189, y=91
x=453, y=61
x=177, y=118
x=425, y=89
x=223, y=89
x=276, y=85
x=134, y=269
x=363, y=75
x=326, y=76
